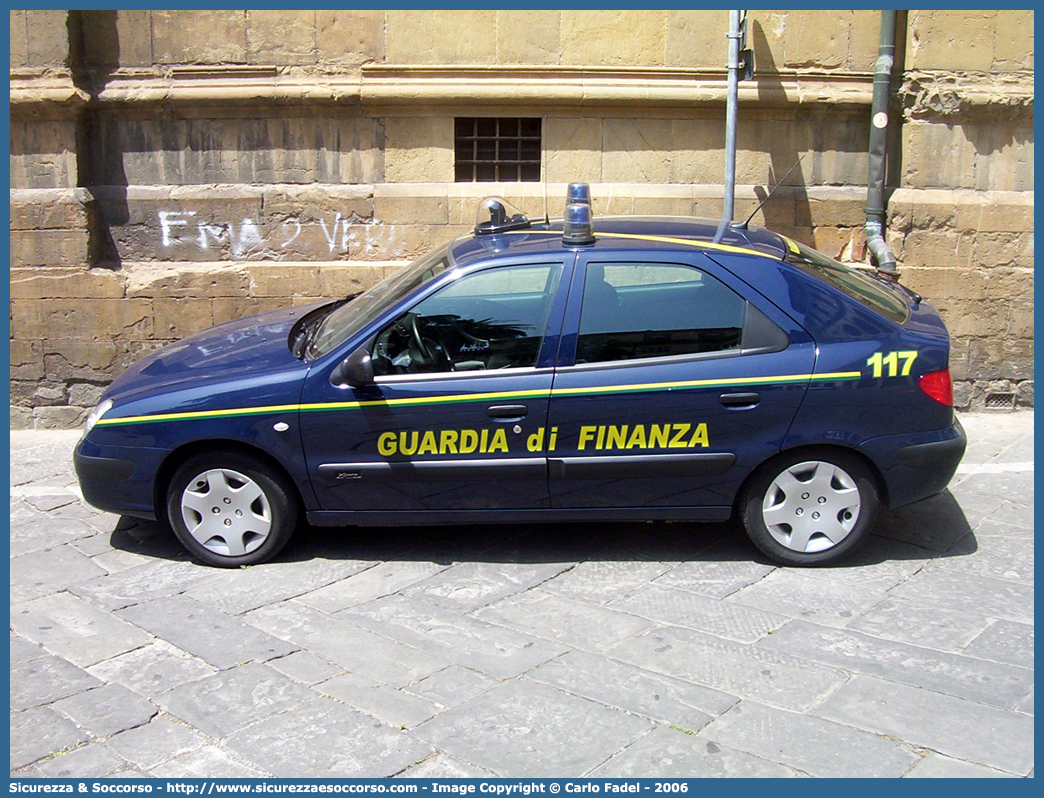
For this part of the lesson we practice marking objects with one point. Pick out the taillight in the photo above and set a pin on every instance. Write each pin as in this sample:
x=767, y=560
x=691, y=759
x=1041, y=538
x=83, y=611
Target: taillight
x=939, y=386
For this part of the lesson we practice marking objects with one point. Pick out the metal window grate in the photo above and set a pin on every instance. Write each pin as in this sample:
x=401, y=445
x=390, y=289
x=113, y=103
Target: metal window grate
x=1001, y=400
x=497, y=150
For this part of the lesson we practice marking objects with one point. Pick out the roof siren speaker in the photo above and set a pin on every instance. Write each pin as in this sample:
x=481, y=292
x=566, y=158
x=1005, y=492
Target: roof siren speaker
x=497, y=215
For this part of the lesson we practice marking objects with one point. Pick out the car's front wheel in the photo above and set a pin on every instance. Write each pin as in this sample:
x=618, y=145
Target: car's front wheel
x=809, y=507
x=229, y=509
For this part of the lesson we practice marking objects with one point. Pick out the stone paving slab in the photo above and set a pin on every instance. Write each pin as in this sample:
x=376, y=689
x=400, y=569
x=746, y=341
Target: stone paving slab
x=674, y=607
x=209, y=762
x=107, y=710
x=469, y=586
x=522, y=729
x=452, y=685
x=567, y=650
x=75, y=629
x=813, y=746
x=671, y=753
x=208, y=633
x=397, y=708
x=326, y=739
x=599, y=582
x=986, y=682
x=962, y=729
x=47, y=679
x=465, y=640
x=995, y=598
x=937, y=766
x=231, y=700
x=48, y=571
x=90, y=761
x=372, y=583
x=616, y=684
x=808, y=597
x=239, y=591
x=159, y=741
x=1026, y=704
x=553, y=617
x=38, y=732
x=153, y=580
x=742, y=670
x=444, y=766
x=340, y=641
x=940, y=628
x=1005, y=641
x=152, y=669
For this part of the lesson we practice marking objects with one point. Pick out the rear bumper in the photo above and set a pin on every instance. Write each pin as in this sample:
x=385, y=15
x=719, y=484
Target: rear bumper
x=917, y=466
x=118, y=479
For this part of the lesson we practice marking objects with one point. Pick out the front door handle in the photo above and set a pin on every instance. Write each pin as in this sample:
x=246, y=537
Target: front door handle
x=740, y=400
x=507, y=411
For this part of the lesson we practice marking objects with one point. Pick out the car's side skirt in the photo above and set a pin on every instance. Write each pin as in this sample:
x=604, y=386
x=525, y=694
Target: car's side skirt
x=430, y=517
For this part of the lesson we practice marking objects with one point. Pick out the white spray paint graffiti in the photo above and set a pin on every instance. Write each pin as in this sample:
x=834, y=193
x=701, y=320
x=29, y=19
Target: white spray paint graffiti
x=180, y=229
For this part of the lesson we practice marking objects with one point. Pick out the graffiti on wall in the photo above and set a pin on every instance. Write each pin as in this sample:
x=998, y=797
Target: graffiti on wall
x=180, y=230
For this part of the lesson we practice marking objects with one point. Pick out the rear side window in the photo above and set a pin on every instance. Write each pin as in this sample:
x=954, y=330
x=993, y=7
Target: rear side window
x=849, y=281
x=637, y=310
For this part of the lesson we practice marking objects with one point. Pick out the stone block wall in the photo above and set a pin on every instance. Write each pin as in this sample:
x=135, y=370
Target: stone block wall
x=174, y=169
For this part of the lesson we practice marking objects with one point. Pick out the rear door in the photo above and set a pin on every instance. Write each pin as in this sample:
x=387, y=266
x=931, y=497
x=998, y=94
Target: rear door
x=675, y=379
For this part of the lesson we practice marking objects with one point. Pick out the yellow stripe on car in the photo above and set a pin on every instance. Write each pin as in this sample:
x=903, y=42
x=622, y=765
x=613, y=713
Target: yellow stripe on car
x=688, y=242
x=479, y=397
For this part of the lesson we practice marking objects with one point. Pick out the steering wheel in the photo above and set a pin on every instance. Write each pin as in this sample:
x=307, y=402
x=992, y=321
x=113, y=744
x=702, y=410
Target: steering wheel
x=420, y=347
x=410, y=326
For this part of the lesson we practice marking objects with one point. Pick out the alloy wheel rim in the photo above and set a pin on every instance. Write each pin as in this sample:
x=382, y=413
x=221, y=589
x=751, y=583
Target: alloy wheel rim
x=811, y=507
x=226, y=512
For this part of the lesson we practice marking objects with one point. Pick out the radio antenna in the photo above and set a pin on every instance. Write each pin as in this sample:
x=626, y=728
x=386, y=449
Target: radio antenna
x=743, y=225
x=543, y=166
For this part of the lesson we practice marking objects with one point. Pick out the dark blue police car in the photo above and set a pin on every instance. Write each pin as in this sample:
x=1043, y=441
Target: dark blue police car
x=633, y=369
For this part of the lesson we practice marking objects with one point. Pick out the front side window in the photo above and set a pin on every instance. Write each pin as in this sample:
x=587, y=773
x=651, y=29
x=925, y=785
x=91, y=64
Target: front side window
x=492, y=319
x=641, y=310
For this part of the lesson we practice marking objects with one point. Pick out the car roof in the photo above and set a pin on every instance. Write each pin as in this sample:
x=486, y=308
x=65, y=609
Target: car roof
x=622, y=233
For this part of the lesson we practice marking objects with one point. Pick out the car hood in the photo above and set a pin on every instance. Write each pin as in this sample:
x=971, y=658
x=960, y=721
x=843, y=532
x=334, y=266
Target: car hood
x=244, y=347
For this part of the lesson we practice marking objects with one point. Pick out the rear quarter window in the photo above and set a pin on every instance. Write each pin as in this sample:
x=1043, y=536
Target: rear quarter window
x=849, y=281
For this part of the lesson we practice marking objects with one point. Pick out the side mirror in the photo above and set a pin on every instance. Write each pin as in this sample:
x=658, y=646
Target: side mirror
x=355, y=370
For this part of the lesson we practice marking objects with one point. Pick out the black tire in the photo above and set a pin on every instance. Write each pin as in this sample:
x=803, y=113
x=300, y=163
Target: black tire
x=791, y=514
x=233, y=531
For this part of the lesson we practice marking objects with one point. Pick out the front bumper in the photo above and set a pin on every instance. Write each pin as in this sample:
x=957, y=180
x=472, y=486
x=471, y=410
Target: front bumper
x=118, y=479
x=916, y=466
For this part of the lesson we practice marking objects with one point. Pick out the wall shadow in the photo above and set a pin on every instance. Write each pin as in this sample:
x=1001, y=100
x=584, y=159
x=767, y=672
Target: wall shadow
x=790, y=202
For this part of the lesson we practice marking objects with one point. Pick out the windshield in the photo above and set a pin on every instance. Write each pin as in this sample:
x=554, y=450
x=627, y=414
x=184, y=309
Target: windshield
x=352, y=317
x=853, y=282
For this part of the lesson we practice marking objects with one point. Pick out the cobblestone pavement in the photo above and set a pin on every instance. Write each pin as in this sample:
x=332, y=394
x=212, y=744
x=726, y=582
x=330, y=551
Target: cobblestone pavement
x=608, y=650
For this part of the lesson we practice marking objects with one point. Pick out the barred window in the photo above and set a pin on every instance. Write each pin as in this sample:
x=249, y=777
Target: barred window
x=489, y=149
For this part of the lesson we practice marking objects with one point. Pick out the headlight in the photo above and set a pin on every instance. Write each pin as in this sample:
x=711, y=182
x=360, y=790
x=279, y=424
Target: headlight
x=103, y=407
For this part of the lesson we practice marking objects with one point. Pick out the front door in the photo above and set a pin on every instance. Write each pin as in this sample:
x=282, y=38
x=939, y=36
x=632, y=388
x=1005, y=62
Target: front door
x=679, y=384
x=453, y=421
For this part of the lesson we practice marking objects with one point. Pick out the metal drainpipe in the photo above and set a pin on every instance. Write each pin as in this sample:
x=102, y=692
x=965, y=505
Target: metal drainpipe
x=729, y=200
x=875, y=208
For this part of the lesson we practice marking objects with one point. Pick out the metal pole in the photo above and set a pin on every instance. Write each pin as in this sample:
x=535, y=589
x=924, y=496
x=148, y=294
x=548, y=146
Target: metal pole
x=729, y=200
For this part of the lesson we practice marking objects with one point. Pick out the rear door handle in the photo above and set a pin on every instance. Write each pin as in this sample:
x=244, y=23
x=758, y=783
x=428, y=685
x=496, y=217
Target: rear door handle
x=740, y=399
x=507, y=411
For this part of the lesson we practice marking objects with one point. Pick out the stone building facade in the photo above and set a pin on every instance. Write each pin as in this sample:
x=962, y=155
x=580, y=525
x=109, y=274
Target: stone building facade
x=174, y=169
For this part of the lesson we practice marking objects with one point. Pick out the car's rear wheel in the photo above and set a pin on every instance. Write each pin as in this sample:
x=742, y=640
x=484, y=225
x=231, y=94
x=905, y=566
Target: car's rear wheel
x=229, y=509
x=809, y=507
